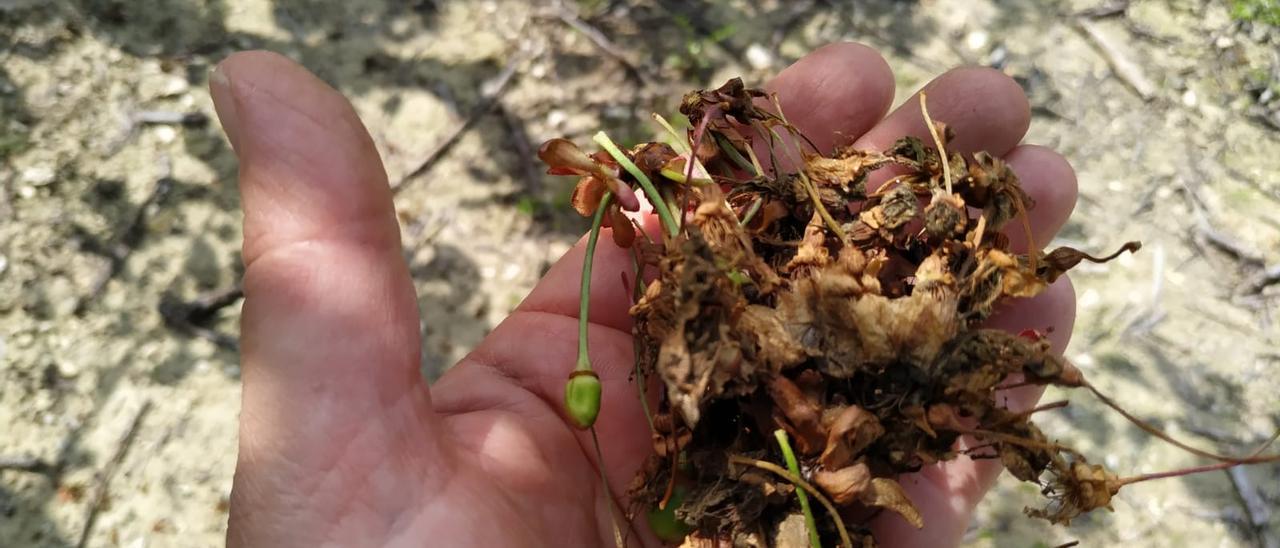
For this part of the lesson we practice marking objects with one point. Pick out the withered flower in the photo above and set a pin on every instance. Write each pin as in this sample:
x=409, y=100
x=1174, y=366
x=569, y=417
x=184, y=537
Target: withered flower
x=599, y=173
x=1075, y=489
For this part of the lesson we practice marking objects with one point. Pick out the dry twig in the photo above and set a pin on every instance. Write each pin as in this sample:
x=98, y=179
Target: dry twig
x=109, y=471
x=1109, y=9
x=117, y=251
x=489, y=96
x=27, y=464
x=189, y=317
x=1126, y=69
x=602, y=42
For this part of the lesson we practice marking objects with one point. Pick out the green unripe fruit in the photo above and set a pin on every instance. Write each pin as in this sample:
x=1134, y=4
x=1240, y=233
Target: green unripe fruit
x=665, y=524
x=582, y=398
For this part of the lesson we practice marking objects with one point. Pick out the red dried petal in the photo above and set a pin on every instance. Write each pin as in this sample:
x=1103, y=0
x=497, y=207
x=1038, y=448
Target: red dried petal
x=623, y=194
x=561, y=154
x=587, y=195
x=624, y=234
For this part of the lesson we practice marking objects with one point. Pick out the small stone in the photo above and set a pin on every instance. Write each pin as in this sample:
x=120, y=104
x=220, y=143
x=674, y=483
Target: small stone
x=68, y=370
x=4, y=264
x=26, y=191
x=759, y=57
x=1224, y=42
x=166, y=134
x=998, y=56
x=1189, y=98
x=977, y=40
x=556, y=118
x=174, y=86
x=38, y=175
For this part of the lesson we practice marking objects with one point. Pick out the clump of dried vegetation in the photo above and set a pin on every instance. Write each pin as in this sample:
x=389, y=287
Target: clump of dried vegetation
x=815, y=338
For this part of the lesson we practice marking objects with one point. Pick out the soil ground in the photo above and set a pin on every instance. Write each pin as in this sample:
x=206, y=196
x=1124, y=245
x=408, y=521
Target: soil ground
x=1169, y=110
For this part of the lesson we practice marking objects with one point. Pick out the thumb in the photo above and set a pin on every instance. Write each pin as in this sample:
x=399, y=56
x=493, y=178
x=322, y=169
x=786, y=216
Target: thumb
x=329, y=327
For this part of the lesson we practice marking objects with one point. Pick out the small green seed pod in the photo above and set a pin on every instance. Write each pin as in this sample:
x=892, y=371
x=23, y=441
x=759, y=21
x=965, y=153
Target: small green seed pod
x=582, y=398
x=664, y=522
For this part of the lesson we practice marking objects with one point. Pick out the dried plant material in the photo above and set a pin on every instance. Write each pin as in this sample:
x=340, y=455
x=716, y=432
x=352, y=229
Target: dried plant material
x=850, y=320
x=845, y=485
x=888, y=494
x=848, y=435
x=599, y=173
x=1077, y=488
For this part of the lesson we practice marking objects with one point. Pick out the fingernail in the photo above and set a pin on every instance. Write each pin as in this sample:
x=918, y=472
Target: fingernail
x=225, y=104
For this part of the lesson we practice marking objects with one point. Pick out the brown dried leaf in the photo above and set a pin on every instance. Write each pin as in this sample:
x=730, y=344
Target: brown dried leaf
x=912, y=328
x=813, y=249
x=770, y=213
x=847, y=168
x=761, y=329
x=888, y=494
x=804, y=416
x=792, y=532
x=849, y=434
x=846, y=485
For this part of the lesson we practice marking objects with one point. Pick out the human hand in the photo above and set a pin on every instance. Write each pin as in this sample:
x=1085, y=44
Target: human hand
x=342, y=442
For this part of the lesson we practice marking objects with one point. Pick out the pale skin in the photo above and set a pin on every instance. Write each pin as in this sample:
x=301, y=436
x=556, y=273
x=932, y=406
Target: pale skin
x=343, y=443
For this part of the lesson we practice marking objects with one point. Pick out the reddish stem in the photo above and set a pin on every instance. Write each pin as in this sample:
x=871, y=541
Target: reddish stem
x=1176, y=473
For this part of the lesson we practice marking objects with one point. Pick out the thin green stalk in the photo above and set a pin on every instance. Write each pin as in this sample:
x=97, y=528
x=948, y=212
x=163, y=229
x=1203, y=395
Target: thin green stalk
x=679, y=178
x=582, y=391
x=584, y=293
x=734, y=155
x=773, y=158
x=794, y=467
x=677, y=139
x=664, y=213
x=668, y=197
x=608, y=493
x=751, y=211
x=800, y=483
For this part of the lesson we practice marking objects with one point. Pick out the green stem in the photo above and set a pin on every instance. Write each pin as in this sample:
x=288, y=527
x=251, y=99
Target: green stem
x=751, y=211
x=679, y=178
x=584, y=295
x=794, y=467
x=677, y=140
x=734, y=155
x=650, y=191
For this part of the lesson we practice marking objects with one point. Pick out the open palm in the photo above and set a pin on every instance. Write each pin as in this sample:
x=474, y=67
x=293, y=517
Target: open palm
x=341, y=440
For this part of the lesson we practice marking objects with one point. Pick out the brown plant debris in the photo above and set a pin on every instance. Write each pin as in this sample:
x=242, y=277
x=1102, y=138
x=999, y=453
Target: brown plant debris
x=849, y=317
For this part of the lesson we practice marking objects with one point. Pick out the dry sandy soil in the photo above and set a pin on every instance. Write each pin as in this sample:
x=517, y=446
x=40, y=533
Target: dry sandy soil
x=1169, y=110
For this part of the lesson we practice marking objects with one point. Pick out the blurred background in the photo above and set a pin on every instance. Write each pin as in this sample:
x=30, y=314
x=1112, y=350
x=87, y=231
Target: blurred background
x=120, y=223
